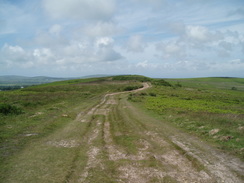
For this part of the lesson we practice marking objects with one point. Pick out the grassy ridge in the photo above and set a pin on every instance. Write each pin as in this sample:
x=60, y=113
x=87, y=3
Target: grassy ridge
x=211, y=82
x=200, y=107
x=42, y=117
x=45, y=109
x=207, y=107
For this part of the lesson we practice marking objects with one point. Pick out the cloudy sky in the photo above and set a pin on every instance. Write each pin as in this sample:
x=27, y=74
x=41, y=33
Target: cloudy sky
x=156, y=38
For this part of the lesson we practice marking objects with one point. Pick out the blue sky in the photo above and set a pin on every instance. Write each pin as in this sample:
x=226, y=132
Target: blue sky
x=156, y=38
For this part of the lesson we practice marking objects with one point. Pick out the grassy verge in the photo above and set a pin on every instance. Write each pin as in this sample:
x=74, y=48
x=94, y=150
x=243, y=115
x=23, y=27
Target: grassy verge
x=213, y=113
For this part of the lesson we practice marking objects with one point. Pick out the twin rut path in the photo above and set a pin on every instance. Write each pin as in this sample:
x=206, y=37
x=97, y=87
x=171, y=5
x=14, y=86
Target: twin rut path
x=160, y=153
x=116, y=141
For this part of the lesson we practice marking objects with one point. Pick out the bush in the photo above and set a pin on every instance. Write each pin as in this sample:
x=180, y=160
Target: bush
x=131, y=78
x=9, y=109
x=130, y=88
x=161, y=82
x=152, y=94
x=143, y=94
x=178, y=84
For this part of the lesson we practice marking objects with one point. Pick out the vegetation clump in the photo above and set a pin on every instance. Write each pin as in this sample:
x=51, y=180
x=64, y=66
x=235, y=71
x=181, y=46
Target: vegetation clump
x=199, y=106
x=131, y=78
x=178, y=84
x=7, y=109
x=130, y=88
x=161, y=82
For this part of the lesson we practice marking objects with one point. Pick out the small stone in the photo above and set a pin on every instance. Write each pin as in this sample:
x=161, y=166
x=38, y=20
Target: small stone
x=30, y=134
x=226, y=138
x=241, y=128
x=213, y=131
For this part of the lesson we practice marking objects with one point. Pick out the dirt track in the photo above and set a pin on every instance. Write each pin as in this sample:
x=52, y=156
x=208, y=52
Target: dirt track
x=116, y=141
x=137, y=148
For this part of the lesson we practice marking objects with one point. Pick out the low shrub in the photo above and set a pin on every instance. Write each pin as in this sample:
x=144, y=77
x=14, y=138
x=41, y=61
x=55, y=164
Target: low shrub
x=152, y=94
x=7, y=109
x=130, y=88
x=178, y=84
x=161, y=82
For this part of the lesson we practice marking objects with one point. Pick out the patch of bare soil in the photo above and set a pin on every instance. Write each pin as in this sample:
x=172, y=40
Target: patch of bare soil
x=117, y=153
x=93, y=152
x=36, y=114
x=64, y=143
x=176, y=161
x=137, y=174
x=223, y=167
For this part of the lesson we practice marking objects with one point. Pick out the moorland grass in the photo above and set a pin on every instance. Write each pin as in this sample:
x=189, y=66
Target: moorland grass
x=206, y=107
x=46, y=109
x=49, y=112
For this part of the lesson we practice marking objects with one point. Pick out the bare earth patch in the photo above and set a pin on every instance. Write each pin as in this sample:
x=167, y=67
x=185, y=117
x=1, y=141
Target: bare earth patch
x=170, y=164
x=64, y=143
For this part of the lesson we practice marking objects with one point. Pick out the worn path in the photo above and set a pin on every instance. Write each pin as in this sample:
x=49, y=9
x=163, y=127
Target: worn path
x=115, y=141
x=141, y=149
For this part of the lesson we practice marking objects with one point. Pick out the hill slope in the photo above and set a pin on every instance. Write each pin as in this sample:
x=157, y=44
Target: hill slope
x=113, y=130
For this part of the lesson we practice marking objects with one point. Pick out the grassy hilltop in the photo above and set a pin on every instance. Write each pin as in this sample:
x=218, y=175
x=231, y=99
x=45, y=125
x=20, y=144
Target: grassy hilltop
x=211, y=108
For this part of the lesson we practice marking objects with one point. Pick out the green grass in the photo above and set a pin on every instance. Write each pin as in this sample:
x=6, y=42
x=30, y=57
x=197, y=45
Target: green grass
x=45, y=109
x=211, y=83
x=48, y=114
x=199, y=106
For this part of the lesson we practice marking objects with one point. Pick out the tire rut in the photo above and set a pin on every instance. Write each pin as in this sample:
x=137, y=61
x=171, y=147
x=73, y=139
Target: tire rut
x=172, y=160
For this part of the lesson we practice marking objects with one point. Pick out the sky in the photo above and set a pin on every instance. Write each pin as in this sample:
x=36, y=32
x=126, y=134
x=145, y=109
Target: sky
x=155, y=38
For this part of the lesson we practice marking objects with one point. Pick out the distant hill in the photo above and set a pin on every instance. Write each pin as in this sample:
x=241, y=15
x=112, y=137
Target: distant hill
x=96, y=76
x=23, y=80
x=9, y=82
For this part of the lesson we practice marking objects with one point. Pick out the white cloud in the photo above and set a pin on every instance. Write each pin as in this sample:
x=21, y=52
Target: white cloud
x=80, y=9
x=225, y=48
x=135, y=44
x=13, y=53
x=142, y=36
x=146, y=65
x=44, y=52
x=199, y=33
x=104, y=41
x=15, y=57
x=177, y=27
x=171, y=50
x=75, y=53
x=226, y=45
x=143, y=64
x=50, y=40
x=100, y=29
x=55, y=29
x=108, y=55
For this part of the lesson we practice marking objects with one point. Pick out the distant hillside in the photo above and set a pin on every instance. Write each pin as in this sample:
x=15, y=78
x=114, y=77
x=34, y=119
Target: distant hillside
x=23, y=80
x=212, y=82
x=96, y=76
x=11, y=82
x=16, y=82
